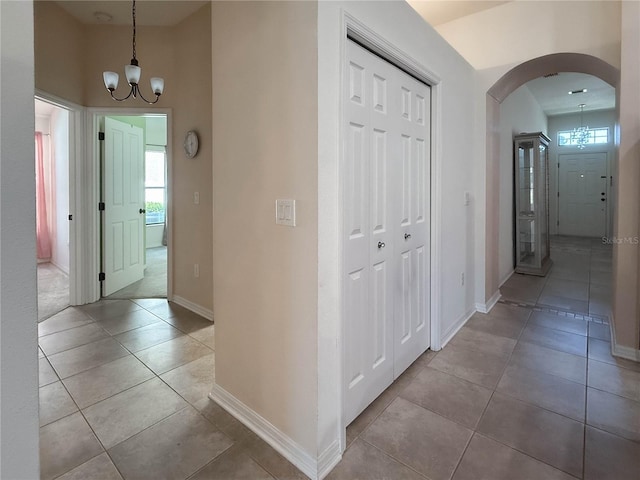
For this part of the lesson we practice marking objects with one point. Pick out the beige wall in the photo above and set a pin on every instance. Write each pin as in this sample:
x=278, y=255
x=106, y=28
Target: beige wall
x=265, y=148
x=626, y=269
x=161, y=51
x=59, y=51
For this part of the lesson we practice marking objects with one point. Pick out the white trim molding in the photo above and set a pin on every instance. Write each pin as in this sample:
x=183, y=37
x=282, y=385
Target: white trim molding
x=628, y=353
x=194, y=307
x=280, y=441
x=486, y=307
x=450, y=333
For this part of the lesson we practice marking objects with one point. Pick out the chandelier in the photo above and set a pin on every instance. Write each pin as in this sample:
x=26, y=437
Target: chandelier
x=132, y=72
x=580, y=135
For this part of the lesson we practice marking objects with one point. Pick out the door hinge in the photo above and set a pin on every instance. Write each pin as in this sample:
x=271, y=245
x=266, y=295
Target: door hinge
x=101, y=277
x=558, y=194
x=70, y=217
x=558, y=223
x=101, y=206
x=100, y=135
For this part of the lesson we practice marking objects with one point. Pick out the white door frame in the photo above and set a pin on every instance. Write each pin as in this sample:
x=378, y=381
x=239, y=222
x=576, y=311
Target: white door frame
x=78, y=293
x=353, y=28
x=92, y=231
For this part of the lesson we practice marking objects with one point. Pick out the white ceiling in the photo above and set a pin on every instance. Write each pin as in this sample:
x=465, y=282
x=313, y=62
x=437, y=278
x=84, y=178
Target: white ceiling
x=437, y=12
x=148, y=12
x=552, y=93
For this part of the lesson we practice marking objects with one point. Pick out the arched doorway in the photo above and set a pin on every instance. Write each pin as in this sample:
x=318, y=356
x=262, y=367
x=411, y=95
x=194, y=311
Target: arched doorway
x=508, y=83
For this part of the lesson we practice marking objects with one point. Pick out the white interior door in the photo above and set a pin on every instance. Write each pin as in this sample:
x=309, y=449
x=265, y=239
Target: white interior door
x=123, y=219
x=582, y=200
x=386, y=178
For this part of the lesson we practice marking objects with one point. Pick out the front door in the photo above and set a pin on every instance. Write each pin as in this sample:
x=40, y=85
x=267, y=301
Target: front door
x=582, y=200
x=124, y=218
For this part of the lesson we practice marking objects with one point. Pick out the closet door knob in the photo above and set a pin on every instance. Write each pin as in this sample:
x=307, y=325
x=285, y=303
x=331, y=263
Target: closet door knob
x=407, y=236
x=381, y=245
x=142, y=210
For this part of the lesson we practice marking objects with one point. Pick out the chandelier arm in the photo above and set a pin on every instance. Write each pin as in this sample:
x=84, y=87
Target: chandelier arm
x=147, y=101
x=121, y=99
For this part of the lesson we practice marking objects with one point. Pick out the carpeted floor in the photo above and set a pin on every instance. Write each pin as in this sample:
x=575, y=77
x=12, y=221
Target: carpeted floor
x=53, y=290
x=154, y=283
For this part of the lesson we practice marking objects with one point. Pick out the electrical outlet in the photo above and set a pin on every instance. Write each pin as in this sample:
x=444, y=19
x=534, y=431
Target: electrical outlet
x=196, y=270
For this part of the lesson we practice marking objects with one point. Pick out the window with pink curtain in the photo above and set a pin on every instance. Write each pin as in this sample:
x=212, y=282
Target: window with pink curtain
x=43, y=238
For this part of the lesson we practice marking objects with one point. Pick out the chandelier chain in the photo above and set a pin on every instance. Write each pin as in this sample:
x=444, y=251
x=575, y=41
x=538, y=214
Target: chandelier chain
x=133, y=14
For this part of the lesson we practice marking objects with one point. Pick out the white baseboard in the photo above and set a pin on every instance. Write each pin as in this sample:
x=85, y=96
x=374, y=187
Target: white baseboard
x=448, y=335
x=486, y=307
x=621, y=351
x=281, y=442
x=194, y=307
x=329, y=459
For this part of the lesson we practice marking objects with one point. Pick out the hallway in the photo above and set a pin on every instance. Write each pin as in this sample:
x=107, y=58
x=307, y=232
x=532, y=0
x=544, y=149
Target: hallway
x=529, y=391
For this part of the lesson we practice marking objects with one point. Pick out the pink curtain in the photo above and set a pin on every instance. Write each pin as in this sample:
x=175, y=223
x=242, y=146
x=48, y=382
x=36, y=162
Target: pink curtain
x=43, y=238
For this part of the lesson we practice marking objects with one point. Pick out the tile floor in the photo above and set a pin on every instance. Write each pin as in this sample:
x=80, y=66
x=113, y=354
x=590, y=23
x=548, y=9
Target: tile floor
x=525, y=392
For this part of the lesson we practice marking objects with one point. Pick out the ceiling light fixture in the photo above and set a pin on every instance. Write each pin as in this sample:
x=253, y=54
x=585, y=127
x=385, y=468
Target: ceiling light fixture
x=580, y=135
x=583, y=90
x=132, y=72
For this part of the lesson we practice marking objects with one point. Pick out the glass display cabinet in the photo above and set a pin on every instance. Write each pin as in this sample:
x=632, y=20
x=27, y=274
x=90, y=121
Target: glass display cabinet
x=531, y=175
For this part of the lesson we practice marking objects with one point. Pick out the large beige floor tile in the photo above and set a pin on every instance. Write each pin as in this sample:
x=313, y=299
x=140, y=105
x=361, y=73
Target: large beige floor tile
x=205, y=335
x=510, y=311
x=609, y=457
x=128, y=321
x=472, y=365
x=364, y=461
x=600, y=331
x=504, y=326
x=86, y=357
x=545, y=390
x=194, y=380
x=453, y=398
x=468, y=338
x=614, y=414
x=104, y=381
x=172, y=449
x=531, y=429
x=189, y=322
x=74, y=337
x=46, y=374
x=125, y=414
x=225, y=422
x=69, y=318
x=147, y=336
x=272, y=461
x=613, y=379
x=169, y=355
x=559, y=322
x=567, y=288
x=563, y=303
x=105, y=309
x=233, y=464
x=486, y=459
x=98, y=468
x=427, y=442
x=65, y=444
x=601, y=350
x=555, y=339
x=55, y=403
x=554, y=362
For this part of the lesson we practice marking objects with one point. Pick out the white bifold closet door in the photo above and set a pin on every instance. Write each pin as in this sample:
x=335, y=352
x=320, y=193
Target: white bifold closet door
x=386, y=224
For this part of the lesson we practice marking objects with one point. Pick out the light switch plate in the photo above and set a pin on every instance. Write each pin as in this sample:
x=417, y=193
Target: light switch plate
x=286, y=212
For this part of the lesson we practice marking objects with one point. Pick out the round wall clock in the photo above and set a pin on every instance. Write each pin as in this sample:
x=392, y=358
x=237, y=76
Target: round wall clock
x=191, y=144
